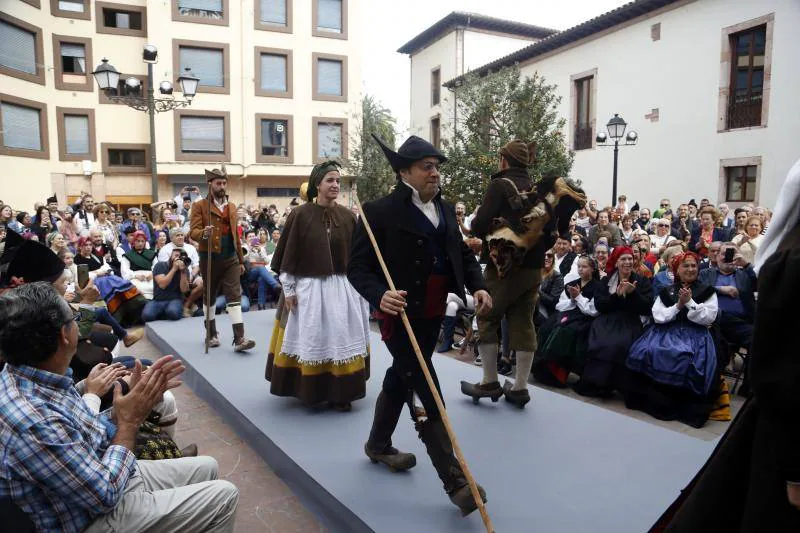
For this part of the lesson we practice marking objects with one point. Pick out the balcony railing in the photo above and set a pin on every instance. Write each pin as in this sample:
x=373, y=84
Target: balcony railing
x=583, y=137
x=744, y=113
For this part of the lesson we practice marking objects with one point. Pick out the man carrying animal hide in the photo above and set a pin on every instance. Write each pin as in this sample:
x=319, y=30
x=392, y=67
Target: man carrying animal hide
x=518, y=222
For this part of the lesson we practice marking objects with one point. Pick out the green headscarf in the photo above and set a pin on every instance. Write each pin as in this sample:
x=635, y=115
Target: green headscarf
x=317, y=173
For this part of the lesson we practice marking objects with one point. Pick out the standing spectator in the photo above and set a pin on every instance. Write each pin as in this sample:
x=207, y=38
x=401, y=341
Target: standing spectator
x=627, y=230
x=137, y=265
x=740, y=222
x=84, y=212
x=622, y=205
x=68, y=227
x=171, y=282
x=727, y=221
x=604, y=225
x=663, y=207
x=706, y=233
x=136, y=222
x=749, y=241
x=643, y=222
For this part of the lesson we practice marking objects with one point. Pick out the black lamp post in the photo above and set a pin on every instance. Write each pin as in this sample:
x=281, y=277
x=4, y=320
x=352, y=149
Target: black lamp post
x=107, y=78
x=616, y=129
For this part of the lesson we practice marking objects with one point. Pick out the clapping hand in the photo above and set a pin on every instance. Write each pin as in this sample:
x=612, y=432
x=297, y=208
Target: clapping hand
x=102, y=377
x=684, y=295
x=574, y=291
x=625, y=288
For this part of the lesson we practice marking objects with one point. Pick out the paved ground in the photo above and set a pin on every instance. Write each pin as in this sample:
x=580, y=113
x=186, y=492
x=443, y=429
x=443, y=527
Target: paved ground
x=266, y=504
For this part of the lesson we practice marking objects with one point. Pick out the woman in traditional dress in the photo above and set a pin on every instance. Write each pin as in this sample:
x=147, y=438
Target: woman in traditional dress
x=319, y=347
x=622, y=298
x=674, y=364
x=751, y=482
x=564, y=350
x=123, y=299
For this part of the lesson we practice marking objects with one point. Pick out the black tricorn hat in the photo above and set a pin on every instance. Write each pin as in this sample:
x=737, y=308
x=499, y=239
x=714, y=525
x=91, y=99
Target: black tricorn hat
x=413, y=149
x=635, y=207
x=29, y=260
x=52, y=200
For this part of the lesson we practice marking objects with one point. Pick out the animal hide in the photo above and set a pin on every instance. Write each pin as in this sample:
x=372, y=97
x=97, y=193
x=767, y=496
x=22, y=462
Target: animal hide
x=548, y=207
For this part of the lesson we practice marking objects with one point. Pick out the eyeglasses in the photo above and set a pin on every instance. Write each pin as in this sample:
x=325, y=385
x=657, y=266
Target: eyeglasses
x=136, y=214
x=550, y=256
x=427, y=167
x=663, y=225
x=103, y=211
x=664, y=205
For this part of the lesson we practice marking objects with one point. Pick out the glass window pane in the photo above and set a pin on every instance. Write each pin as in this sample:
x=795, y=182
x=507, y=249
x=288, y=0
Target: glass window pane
x=273, y=72
x=73, y=50
x=203, y=134
x=123, y=20
x=206, y=64
x=76, y=134
x=21, y=127
x=274, y=137
x=329, y=76
x=214, y=6
x=329, y=140
x=17, y=48
x=329, y=15
x=70, y=5
x=273, y=11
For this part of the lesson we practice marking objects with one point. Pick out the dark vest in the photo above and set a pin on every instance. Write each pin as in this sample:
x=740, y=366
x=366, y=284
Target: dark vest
x=437, y=238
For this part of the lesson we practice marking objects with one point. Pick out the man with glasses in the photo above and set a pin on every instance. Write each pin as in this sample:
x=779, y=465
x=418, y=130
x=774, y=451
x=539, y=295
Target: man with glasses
x=71, y=469
x=135, y=221
x=665, y=205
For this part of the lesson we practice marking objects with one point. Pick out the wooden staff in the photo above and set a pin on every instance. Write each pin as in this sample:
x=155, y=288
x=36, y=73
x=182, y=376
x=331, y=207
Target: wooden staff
x=473, y=487
x=209, y=305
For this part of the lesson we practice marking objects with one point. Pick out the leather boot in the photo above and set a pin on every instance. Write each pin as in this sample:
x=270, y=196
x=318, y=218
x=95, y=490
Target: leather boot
x=448, y=329
x=379, y=447
x=214, y=337
x=434, y=435
x=240, y=343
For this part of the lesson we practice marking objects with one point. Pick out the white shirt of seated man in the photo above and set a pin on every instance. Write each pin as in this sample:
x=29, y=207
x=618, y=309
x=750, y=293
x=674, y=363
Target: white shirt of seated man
x=141, y=279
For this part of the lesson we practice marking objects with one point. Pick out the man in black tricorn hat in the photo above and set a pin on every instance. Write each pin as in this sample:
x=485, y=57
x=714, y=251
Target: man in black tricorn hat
x=214, y=226
x=417, y=233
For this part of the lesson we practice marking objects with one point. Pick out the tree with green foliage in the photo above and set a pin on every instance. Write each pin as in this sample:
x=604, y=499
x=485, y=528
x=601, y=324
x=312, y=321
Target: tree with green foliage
x=374, y=178
x=489, y=112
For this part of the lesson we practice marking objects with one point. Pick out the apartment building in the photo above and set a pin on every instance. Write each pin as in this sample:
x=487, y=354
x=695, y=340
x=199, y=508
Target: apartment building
x=280, y=82
x=709, y=86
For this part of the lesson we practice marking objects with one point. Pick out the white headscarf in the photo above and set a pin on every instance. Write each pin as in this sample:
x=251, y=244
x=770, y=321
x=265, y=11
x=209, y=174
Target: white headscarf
x=784, y=218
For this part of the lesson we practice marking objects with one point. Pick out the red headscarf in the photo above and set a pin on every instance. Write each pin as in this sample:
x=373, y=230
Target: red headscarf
x=680, y=258
x=619, y=251
x=83, y=240
x=139, y=233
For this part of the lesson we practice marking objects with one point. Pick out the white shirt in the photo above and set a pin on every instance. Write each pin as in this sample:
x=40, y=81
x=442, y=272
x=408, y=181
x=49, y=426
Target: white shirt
x=428, y=209
x=558, y=260
x=191, y=251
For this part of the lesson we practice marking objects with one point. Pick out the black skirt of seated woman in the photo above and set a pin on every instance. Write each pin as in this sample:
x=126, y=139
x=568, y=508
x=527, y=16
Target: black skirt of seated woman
x=612, y=333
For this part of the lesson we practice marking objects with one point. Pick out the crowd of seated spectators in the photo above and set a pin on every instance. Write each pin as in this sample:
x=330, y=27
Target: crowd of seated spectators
x=629, y=281
x=126, y=253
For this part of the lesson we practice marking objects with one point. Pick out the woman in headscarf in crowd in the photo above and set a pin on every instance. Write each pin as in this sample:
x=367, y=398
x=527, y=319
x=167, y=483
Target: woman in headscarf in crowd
x=676, y=372
x=749, y=241
x=753, y=475
x=56, y=242
x=622, y=299
x=319, y=347
x=105, y=225
x=564, y=349
x=659, y=241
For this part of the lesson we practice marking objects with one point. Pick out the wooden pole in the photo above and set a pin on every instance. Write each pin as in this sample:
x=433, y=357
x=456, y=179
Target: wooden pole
x=473, y=487
x=210, y=306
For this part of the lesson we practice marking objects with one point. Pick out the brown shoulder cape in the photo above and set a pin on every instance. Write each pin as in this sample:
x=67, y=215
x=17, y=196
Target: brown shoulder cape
x=306, y=247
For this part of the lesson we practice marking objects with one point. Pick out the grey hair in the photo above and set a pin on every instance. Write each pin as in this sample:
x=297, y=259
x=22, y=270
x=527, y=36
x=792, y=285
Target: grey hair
x=31, y=318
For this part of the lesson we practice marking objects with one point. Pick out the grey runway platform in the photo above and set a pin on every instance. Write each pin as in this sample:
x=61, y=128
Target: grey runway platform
x=560, y=465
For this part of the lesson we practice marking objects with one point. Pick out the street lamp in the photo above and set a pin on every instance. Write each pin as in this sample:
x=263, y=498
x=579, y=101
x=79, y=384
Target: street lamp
x=107, y=78
x=616, y=129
